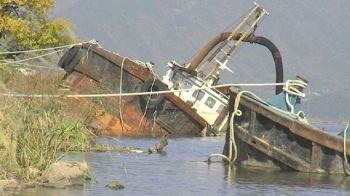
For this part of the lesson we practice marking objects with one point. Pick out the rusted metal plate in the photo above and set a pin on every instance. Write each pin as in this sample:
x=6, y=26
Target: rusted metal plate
x=127, y=64
x=101, y=71
x=272, y=151
x=182, y=105
x=143, y=74
x=298, y=128
x=282, y=139
x=315, y=156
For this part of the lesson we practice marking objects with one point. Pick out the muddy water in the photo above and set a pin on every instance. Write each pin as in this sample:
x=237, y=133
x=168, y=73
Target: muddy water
x=182, y=171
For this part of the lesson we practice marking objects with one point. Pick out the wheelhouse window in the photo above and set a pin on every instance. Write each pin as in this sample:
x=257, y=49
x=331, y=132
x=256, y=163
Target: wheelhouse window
x=198, y=95
x=186, y=85
x=210, y=102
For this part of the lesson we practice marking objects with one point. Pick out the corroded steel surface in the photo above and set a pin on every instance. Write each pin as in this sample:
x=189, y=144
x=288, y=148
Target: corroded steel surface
x=315, y=156
x=100, y=71
x=268, y=138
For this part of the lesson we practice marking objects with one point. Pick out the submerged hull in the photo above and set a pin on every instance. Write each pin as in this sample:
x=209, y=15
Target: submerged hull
x=94, y=70
x=194, y=105
x=269, y=138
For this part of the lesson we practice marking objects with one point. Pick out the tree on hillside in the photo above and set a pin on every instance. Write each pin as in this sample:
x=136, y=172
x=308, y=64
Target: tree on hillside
x=24, y=25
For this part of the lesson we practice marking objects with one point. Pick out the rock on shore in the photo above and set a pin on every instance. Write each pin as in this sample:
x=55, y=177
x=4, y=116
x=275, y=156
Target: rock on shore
x=61, y=174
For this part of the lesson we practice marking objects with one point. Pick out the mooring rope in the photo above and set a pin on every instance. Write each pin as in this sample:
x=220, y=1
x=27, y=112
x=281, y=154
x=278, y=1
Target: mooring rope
x=57, y=50
x=154, y=120
x=43, y=49
x=289, y=88
x=232, y=142
x=151, y=69
x=121, y=91
x=292, y=89
x=23, y=60
x=147, y=103
x=344, y=150
x=139, y=93
x=36, y=66
x=149, y=66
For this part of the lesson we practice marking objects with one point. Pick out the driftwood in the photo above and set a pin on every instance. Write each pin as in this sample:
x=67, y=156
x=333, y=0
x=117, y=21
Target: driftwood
x=163, y=142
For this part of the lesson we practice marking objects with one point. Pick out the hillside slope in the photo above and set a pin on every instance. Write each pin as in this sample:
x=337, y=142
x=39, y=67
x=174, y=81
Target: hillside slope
x=312, y=37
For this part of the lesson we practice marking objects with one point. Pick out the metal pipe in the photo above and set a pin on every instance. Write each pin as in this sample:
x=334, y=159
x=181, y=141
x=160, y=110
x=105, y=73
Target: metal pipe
x=252, y=39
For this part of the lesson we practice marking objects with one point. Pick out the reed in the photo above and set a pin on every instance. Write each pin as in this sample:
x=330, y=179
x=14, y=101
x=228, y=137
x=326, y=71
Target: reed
x=35, y=132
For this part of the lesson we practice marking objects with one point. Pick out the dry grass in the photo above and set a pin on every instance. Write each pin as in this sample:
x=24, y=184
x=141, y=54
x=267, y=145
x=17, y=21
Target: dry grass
x=34, y=132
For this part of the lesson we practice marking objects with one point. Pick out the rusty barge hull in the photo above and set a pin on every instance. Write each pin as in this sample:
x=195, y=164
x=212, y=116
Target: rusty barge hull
x=92, y=70
x=268, y=138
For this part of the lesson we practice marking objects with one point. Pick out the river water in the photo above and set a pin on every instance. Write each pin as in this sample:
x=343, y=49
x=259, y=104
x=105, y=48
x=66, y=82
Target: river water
x=183, y=171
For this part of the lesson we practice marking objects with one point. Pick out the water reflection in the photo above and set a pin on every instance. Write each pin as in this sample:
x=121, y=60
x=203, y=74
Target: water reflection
x=183, y=171
x=267, y=182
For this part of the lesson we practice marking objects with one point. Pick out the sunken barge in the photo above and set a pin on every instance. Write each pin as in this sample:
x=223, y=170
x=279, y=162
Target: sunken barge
x=188, y=103
x=276, y=134
x=270, y=134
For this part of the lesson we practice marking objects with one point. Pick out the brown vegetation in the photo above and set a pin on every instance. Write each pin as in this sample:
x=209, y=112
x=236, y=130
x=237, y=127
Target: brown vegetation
x=35, y=132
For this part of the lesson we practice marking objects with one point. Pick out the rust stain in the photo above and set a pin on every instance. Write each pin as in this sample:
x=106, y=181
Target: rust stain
x=112, y=123
x=102, y=74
